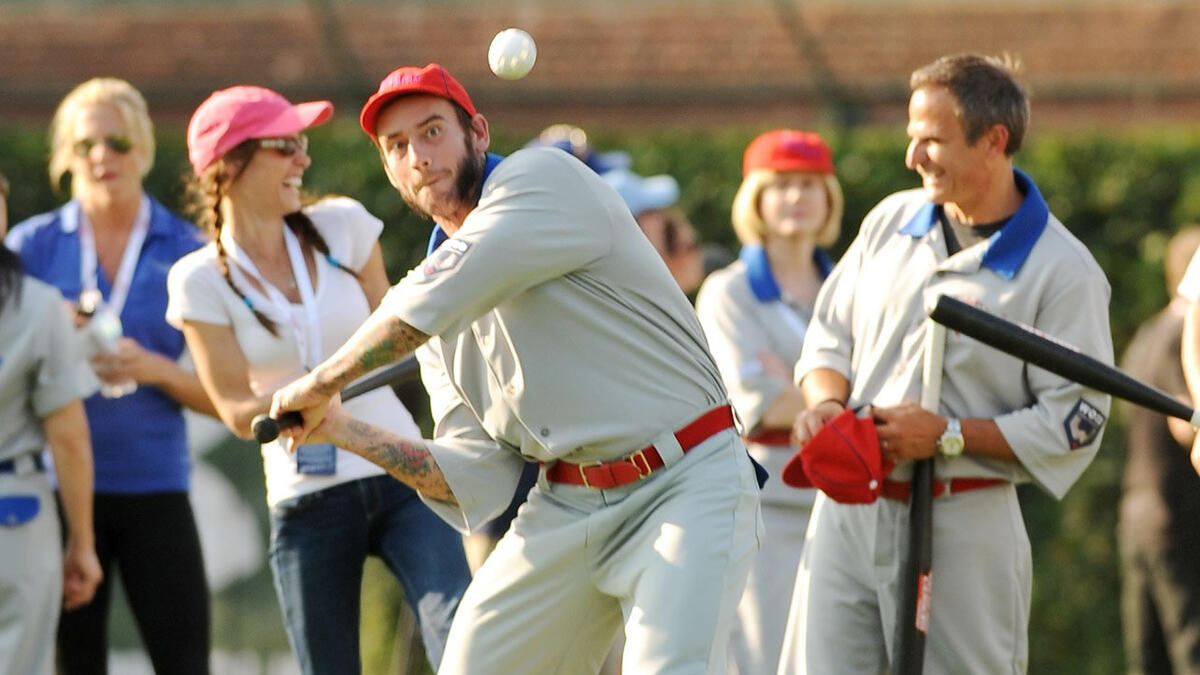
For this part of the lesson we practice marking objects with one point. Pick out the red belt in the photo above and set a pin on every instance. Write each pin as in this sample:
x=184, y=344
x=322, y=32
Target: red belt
x=605, y=475
x=770, y=437
x=901, y=490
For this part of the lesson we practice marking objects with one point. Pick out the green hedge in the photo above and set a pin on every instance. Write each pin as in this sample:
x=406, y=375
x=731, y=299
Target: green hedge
x=1122, y=194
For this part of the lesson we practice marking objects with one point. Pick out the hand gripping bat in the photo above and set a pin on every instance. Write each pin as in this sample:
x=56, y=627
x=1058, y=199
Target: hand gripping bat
x=266, y=428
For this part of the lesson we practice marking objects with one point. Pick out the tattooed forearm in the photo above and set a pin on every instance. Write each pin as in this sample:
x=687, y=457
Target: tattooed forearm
x=405, y=459
x=397, y=341
x=381, y=340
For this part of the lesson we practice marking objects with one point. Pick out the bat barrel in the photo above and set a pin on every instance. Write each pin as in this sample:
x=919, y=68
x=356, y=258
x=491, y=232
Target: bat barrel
x=1056, y=357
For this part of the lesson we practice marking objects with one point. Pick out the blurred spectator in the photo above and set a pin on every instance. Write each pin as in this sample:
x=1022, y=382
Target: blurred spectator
x=1160, y=502
x=574, y=140
x=108, y=250
x=755, y=313
x=43, y=379
x=652, y=199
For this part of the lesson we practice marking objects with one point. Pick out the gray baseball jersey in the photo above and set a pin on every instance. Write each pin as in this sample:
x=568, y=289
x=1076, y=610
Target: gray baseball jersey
x=870, y=326
x=560, y=334
x=560, y=330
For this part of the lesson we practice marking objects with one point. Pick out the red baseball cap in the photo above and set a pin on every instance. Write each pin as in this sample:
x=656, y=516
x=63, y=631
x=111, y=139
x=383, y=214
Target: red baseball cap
x=788, y=150
x=842, y=460
x=432, y=79
x=231, y=116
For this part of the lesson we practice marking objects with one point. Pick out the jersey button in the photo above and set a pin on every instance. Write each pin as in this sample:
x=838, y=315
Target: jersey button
x=545, y=431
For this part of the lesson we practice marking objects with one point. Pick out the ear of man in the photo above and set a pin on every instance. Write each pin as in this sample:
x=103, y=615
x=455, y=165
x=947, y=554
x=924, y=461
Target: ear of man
x=480, y=134
x=996, y=138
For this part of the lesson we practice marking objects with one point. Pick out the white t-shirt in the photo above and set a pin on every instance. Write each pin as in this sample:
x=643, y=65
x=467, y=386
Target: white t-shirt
x=199, y=292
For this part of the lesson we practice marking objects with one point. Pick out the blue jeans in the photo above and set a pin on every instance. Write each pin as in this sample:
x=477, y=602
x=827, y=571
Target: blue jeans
x=319, y=542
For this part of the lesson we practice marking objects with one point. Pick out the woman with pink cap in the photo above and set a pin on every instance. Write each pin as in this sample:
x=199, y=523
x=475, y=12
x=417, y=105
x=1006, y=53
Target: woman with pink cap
x=281, y=286
x=755, y=313
x=107, y=251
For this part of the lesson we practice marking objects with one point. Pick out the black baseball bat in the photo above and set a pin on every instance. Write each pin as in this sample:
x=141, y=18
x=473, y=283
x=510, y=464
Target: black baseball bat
x=912, y=604
x=266, y=428
x=1055, y=356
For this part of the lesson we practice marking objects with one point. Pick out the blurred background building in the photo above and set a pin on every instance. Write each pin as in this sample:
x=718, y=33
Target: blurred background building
x=697, y=63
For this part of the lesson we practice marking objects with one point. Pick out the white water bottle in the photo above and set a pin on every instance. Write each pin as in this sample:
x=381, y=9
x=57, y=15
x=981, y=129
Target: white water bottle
x=104, y=334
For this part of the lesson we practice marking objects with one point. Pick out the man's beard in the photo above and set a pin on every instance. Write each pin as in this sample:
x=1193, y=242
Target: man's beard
x=467, y=184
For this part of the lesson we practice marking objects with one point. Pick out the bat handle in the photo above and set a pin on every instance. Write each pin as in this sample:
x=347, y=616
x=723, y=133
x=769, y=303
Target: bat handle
x=266, y=428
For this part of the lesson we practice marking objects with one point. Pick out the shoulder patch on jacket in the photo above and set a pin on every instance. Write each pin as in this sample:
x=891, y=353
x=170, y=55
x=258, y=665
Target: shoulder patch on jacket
x=445, y=258
x=1083, y=424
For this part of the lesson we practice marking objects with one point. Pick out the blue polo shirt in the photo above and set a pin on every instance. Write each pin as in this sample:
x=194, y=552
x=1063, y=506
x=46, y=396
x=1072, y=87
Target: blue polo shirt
x=139, y=441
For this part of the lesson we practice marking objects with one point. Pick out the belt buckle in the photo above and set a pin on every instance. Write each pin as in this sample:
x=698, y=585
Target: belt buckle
x=583, y=474
x=640, y=454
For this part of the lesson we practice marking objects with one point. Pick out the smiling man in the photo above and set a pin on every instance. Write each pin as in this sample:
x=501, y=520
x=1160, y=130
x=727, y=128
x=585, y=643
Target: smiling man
x=550, y=331
x=978, y=230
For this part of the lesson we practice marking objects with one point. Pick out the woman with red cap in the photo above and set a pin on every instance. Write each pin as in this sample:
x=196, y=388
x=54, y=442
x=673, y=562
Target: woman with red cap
x=107, y=251
x=754, y=313
x=279, y=288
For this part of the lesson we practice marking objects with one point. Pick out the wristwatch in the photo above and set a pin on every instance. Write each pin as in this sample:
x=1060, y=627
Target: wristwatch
x=951, y=443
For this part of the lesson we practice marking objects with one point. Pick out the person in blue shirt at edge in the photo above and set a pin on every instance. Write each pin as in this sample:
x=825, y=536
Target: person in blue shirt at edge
x=108, y=249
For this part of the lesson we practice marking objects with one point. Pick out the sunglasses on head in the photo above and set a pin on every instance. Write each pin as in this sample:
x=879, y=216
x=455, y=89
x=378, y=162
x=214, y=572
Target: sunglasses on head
x=286, y=146
x=117, y=143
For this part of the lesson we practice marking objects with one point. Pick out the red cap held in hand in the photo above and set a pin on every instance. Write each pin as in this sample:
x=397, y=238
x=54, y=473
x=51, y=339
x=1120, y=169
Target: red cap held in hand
x=842, y=460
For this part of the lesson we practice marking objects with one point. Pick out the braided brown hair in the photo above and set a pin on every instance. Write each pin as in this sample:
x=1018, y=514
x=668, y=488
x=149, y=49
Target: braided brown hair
x=205, y=192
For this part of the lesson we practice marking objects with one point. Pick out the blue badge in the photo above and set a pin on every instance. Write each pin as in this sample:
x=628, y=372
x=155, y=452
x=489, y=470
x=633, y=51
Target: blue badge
x=18, y=509
x=316, y=459
x=1083, y=424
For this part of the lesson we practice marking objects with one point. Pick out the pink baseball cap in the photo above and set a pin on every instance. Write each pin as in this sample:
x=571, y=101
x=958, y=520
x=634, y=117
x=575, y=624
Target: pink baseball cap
x=432, y=79
x=231, y=116
x=788, y=150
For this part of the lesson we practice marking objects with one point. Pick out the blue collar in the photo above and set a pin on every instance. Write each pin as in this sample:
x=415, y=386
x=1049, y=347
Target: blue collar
x=758, y=270
x=1008, y=248
x=438, y=235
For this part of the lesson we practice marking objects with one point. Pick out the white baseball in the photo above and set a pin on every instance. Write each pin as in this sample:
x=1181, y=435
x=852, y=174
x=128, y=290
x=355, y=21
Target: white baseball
x=512, y=54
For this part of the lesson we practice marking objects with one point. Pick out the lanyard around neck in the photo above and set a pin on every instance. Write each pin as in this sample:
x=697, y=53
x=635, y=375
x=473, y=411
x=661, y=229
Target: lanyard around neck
x=308, y=337
x=89, y=268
